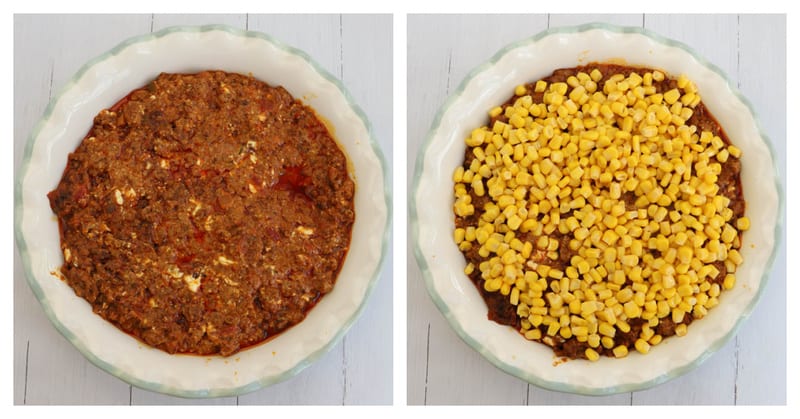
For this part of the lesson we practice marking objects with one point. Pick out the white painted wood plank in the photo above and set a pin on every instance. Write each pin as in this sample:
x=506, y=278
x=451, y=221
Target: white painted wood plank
x=352, y=364
x=56, y=372
x=459, y=375
x=322, y=383
x=25, y=309
x=714, y=37
x=761, y=374
x=163, y=21
x=579, y=19
x=68, y=31
x=712, y=383
x=317, y=35
x=540, y=396
x=31, y=95
x=367, y=75
x=442, y=368
x=140, y=397
x=427, y=66
x=59, y=374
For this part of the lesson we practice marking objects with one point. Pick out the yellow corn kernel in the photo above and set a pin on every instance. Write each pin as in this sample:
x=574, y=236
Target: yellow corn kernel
x=514, y=298
x=593, y=340
x=459, y=234
x=458, y=175
x=729, y=282
x=492, y=285
x=677, y=315
x=579, y=331
x=606, y=329
x=469, y=268
x=655, y=340
x=620, y=351
x=591, y=354
x=735, y=257
x=734, y=151
x=681, y=329
x=642, y=346
x=632, y=310
x=743, y=224
x=728, y=234
x=553, y=328
x=533, y=334
x=565, y=332
x=607, y=342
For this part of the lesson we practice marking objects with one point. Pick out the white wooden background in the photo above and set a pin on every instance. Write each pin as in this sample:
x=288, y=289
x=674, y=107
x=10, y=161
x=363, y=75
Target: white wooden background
x=751, y=368
x=48, y=50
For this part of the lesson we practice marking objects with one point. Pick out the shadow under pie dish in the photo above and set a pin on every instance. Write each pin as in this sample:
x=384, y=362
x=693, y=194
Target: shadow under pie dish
x=272, y=350
x=491, y=85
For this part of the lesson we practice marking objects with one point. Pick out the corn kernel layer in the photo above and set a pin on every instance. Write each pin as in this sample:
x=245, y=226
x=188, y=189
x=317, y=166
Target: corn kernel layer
x=601, y=210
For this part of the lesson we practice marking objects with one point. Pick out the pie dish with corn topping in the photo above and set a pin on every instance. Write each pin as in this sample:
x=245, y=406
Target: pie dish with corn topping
x=603, y=204
x=443, y=265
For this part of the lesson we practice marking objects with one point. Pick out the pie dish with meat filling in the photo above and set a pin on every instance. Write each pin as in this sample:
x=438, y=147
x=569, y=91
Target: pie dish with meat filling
x=190, y=257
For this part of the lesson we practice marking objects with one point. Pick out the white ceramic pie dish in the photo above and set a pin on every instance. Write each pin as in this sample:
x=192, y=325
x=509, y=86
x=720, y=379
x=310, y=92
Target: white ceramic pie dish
x=432, y=218
x=130, y=65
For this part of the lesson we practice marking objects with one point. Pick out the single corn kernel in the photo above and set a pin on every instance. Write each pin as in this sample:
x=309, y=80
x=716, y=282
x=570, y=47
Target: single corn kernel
x=681, y=329
x=533, y=334
x=729, y=282
x=620, y=351
x=591, y=354
x=743, y=224
x=642, y=346
x=469, y=268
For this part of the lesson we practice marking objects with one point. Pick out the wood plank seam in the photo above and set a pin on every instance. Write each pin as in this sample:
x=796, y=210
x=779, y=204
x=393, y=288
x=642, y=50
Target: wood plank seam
x=341, y=49
x=27, y=352
x=427, y=364
x=344, y=370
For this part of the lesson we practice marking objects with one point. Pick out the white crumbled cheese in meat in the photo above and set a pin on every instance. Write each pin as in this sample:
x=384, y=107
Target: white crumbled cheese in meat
x=305, y=230
x=118, y=197
x=192, y=282
x=174, y=272
x=224, y=261
x=197, y=205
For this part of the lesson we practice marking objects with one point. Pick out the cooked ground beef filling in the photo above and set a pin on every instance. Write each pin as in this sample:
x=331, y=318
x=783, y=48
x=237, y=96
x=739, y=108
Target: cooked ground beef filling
x=600, y=210
x=204, y=213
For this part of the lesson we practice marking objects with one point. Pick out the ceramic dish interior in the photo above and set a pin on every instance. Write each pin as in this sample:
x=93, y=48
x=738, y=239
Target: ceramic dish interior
x=442, y=264
x=132, y=64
